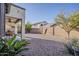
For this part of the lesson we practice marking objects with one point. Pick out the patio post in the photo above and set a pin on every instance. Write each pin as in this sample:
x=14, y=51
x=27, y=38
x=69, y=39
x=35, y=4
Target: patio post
x=23, y=26
x=2, y=19
x=16, y=29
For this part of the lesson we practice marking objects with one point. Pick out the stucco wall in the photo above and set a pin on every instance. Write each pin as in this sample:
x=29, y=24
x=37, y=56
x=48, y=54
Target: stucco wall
x=35, y=30
x=48, y=30
x=60, y=32
x=16, y=12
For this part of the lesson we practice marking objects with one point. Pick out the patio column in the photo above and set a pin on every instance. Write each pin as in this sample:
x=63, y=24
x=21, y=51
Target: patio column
x=23, y=28
x=23, y=25
x=2, y=19
x=16, y=29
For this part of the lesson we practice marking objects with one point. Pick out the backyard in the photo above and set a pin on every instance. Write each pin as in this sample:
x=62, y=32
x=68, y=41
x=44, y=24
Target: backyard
x=59, y=37
x=43, y=45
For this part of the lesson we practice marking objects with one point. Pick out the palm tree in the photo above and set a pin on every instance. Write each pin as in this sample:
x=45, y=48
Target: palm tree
x=68, y=23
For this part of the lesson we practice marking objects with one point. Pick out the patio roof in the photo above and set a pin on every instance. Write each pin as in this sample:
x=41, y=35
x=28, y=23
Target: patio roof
x=12, y=20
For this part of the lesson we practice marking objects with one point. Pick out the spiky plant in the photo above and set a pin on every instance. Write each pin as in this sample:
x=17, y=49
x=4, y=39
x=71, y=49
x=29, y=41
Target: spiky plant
x=12, y=46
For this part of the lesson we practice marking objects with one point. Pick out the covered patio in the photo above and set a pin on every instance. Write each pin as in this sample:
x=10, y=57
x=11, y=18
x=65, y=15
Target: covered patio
x=13, y=25
x=12, y=20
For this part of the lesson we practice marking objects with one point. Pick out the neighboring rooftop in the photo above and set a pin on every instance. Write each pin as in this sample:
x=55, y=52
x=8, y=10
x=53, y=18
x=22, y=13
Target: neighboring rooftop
x=42, y=22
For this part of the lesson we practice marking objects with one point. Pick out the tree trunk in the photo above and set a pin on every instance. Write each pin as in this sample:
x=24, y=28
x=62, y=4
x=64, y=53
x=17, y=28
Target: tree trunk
x=53, y=31
x=68, y=33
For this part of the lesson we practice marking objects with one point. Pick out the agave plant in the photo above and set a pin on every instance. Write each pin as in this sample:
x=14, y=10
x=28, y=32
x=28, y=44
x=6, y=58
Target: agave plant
x=72, y=43
x=11, y=46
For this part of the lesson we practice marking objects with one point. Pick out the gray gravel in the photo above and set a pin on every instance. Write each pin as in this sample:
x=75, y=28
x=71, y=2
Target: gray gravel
x=41, y=47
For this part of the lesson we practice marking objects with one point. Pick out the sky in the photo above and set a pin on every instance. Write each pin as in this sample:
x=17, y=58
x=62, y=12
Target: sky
x=36, y=12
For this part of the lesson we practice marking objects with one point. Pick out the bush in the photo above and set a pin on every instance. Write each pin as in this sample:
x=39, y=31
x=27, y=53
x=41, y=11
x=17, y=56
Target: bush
x=77, y=44
x=11, y=46
x=69, y=45
x=28, y=27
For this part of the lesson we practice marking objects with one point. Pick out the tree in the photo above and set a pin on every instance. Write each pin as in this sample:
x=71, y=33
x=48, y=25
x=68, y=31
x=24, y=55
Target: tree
x=68, y=23
x=28, y=27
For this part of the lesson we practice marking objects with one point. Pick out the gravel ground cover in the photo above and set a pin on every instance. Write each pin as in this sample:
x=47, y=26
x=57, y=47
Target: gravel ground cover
x=42, y=47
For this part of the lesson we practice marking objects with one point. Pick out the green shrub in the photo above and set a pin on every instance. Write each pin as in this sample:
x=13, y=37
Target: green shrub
x=71, y=43
x=11, y=46
x=77, y=44
x=28, y=27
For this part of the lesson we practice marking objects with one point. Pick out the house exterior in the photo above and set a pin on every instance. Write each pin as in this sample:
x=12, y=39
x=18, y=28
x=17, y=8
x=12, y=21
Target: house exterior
x=36, y=27
x=38, y=24
x=12, y=18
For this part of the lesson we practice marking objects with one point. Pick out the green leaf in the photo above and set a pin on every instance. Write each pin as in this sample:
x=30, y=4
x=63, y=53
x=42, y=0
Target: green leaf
x=20, y=44
x=11, y=41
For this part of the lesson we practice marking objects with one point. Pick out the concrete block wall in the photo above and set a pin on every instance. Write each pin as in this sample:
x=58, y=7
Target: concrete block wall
x=48, y=30
x=35, y=30
x=59, y=32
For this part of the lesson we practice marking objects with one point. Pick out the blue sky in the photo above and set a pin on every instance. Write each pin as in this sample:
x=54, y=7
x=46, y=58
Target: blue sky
x=36, y=12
